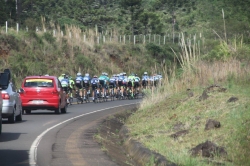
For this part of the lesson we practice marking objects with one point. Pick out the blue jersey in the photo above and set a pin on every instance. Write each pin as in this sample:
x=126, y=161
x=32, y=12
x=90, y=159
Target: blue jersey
x=86, y=79
x=94, y=81
x=65, y=82
x=112, y=80
x=79, y=79
x=120, y=78
x=145, y=77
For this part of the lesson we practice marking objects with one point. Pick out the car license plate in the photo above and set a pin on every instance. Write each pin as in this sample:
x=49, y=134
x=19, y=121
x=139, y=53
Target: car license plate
x=37, y=101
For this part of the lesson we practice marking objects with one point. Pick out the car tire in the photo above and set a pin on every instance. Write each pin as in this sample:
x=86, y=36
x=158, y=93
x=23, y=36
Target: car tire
x=64, y=110
x=0, y=126
x=12, y=117
x=57, y=110
x=19, y=117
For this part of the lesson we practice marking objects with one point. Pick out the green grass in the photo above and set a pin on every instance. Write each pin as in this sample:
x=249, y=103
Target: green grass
x=153, y=125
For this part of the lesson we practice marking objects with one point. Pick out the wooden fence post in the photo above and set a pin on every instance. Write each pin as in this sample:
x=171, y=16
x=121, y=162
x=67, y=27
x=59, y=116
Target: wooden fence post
x=17, y=27
x=6, y=24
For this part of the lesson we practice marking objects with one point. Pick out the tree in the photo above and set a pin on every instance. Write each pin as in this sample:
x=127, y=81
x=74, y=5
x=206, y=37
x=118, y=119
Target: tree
x=134, y=7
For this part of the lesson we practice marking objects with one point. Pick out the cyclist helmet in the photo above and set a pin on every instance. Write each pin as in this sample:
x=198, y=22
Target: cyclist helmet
x=132, y=74
x=145, y=73
x=106, y=74
x=87, y=74
x=114, y=75
x=95, y=76
x=135, y=74
x=79, y=74
x=124, y=74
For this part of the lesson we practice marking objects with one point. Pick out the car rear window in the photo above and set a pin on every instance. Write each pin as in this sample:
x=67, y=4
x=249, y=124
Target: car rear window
x=39, y=82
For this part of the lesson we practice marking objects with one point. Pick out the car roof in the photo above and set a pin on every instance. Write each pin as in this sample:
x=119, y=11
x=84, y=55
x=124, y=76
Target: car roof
x=48, y=77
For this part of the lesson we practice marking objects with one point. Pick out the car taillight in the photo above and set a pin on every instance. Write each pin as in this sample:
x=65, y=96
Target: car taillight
x=5, y=96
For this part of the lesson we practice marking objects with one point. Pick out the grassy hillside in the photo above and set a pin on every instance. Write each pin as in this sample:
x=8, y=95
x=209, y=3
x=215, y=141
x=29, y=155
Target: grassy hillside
x=173, y=119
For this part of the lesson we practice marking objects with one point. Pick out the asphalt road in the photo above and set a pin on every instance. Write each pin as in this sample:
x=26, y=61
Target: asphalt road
x=38, y=139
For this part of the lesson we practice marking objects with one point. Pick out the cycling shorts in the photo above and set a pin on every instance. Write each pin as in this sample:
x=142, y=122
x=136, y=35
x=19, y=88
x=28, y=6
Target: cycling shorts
x=102, y=83
x=144, y=83
x=94, y=86
x=66, y=89
x=78, y=85
x=120, y=83
x=130, y=84
x=85, y=85
x=125, y=84
x=112, y=85
x=136, y=84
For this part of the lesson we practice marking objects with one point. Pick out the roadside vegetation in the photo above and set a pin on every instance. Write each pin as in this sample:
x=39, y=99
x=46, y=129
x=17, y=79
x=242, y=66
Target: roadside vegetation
x=173, y=119
x=31, y=53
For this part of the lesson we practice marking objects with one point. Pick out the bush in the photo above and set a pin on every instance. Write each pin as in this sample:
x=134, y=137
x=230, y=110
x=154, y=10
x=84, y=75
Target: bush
x=48, y=37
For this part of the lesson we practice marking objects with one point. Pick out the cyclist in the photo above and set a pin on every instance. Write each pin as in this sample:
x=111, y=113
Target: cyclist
x=120, y=83
x=156, y=79
x=95, y=85
x=61, y=77
x=71, y=86
x=65, y=86
x=86, y=84
x=137, y=84
x=79, y=83
x=112, y=83
x=103, y=80
x=145, y=80
x=130, y=83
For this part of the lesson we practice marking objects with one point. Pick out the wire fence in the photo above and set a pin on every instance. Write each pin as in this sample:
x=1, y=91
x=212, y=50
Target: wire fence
x=101, y=38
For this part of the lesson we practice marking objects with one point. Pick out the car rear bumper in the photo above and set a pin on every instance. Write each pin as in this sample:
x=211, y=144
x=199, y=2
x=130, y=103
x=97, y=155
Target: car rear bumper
x=7, y=111
x=49, y=104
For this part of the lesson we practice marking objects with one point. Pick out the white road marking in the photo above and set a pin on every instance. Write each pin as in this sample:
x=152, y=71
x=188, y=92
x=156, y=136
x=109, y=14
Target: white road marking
x=33, y=148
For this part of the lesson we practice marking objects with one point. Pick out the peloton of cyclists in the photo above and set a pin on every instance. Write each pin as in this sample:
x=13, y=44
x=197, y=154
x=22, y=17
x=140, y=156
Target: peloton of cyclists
x=105, y=84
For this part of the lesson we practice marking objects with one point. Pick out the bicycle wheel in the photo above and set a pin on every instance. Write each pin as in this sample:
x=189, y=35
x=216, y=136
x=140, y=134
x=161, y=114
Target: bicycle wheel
x=112, y=95
x=70, y=100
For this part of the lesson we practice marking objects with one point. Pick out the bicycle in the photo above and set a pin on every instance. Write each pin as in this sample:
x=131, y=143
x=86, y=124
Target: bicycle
x=78, y=97
x=87, y=97
x=97, y=96
x=112, y=93
x=129, y=93
x=70, y=94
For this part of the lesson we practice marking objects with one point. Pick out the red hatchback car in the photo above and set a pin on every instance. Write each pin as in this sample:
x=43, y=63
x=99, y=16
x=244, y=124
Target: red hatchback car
x=43, y=92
